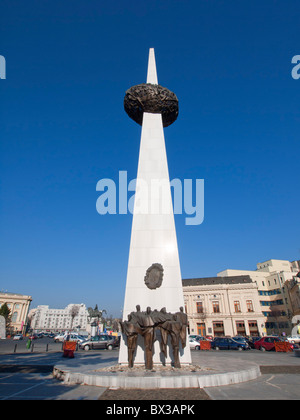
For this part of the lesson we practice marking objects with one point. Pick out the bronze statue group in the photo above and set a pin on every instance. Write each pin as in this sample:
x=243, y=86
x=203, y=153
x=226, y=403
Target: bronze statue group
x=146, y=324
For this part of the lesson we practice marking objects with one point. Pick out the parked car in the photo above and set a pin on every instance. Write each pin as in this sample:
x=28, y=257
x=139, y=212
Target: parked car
x=194, y=336
x=252, y=341
x=200, y=338
x=294, y=339
x=18, y=337
x=240, y=338
x=209, y=337
x=102, y=341
x=268, y=343
x=59, y=337
x=117, y=341
x=226, y=343
x=74, y=337
x=197, y=337
x=33, y=337
x=194, y=344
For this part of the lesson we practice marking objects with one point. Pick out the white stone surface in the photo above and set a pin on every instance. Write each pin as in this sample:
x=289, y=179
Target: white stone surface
x=153, y=236
x=156, y=380
x=152, y=74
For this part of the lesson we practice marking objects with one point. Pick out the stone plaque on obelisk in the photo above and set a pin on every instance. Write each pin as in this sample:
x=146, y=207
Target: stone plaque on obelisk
x=153, y=277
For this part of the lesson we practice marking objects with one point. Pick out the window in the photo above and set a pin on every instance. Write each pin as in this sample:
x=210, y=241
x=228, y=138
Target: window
x=237, y=306
x=253, y=326
x=240, y=327
x=269, y=292
x=95, y=338
x=249, y=306
x=218, y=329
x=265, y=303
x=199, y=306
x=14, y=317
x=216, y=306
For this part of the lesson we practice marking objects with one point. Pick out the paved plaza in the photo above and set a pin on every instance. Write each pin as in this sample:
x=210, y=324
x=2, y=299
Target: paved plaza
x=28, y=376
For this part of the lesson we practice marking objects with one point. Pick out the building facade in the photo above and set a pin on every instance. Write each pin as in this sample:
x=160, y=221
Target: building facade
x=221, y=306
x=73, y=316
x=273, y=278
x=244, y=302
x=294, y=294
x=19, y=308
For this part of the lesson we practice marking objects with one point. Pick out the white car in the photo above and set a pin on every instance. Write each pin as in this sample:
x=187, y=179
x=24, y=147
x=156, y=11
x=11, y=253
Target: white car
x=75, y=337
x=71, y=337
x=59, y=338
x=294, y=339
x=18, y=337
x=194, y=344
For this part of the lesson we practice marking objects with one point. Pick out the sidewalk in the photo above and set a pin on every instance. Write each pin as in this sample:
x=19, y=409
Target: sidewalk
x=279, y=379
x=215, y=368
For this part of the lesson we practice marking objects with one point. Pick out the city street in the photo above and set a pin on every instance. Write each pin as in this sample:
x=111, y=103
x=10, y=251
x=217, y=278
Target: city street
x=27, y=375
x=39, y=345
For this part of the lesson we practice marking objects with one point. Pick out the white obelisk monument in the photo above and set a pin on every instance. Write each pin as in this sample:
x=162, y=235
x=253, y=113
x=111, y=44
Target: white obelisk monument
x=153, y=236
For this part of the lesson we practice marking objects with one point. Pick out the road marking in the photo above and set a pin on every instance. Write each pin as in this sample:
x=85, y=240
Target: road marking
x=24, y=390
x=275, y=386
x=6, y=376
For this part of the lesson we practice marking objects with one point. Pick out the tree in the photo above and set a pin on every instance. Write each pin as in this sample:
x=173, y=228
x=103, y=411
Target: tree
x=6, y=312
x=116, y=324
x=74, y=311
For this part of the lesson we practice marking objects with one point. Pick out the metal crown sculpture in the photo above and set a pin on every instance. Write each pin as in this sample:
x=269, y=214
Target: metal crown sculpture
x=154, y=99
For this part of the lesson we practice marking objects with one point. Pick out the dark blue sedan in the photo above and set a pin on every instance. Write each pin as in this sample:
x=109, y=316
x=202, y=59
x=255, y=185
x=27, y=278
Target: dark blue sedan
x=224, y=343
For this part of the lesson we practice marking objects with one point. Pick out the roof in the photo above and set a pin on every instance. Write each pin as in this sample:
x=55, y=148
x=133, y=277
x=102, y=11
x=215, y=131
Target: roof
x=216, y=280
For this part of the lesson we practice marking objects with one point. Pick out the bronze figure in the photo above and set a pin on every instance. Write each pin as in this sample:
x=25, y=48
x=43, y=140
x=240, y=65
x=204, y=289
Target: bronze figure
x=145, y=323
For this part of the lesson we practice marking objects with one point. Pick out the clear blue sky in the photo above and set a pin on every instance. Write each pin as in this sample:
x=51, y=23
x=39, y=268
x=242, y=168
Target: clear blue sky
x=63, y=128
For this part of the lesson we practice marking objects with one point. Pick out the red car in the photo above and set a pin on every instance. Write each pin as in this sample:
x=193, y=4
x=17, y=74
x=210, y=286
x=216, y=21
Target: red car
x=209, y=337
x=268, y=343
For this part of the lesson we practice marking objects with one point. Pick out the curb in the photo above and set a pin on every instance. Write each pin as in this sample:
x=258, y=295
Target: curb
x=155, y=381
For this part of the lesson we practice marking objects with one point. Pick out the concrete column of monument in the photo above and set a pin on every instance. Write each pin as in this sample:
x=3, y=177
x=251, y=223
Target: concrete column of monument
x=153, y=277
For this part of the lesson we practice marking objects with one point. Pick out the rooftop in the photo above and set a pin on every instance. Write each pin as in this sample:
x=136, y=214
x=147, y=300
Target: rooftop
x=216, y=280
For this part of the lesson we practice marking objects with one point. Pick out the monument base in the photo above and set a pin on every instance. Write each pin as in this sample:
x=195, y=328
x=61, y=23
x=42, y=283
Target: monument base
x=207, y=370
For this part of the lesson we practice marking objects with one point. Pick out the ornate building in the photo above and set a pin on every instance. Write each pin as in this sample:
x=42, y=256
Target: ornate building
x=245, y=302
x=19, y=308
x=222, y=306
x=272, y=278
